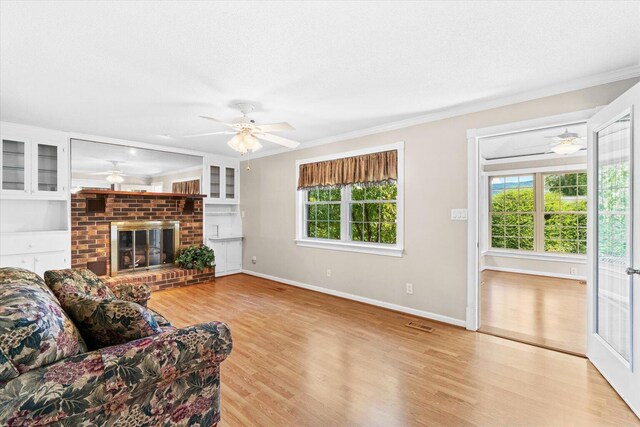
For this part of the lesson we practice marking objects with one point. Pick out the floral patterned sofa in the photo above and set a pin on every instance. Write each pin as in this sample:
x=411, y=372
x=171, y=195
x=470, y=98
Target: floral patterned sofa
x=49, y=377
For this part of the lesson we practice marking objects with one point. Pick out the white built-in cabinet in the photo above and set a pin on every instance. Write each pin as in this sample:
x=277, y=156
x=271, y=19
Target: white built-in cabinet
x=221, y=181
x=223, y=222
x=34, y=198
x=33, y=165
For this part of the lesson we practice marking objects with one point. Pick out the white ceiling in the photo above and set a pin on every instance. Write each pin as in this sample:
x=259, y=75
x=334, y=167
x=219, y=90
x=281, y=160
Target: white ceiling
x=138, y=70
x=526, y=143
x=91, y=157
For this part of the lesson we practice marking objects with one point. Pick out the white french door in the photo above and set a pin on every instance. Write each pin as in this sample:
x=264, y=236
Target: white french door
x=614, y=250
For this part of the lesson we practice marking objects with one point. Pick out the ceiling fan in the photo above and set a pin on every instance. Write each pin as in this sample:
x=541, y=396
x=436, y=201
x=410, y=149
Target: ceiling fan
x=114, y=175
x=247, y=133
x=567, y=142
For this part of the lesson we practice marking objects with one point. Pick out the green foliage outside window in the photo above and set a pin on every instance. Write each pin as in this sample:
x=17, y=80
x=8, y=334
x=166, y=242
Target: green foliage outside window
x=323, y=213
x=513, y=213
x=373, y=213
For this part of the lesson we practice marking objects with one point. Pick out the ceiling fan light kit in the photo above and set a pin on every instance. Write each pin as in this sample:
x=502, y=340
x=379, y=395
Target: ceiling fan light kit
x=566, y=147
x=247, y=132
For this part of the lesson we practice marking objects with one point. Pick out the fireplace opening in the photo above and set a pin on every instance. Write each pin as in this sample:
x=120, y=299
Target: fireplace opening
x=143, y=245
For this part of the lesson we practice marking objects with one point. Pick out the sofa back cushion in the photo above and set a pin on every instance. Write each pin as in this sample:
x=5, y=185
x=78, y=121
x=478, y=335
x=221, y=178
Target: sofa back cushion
x=107, y=322
x=34, y=330
x=76, y=281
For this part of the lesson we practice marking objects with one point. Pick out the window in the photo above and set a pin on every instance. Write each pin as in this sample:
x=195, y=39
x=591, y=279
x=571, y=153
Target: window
x=565, y=213
x=539, y=212
x=361, y=217
x=512, y=212
x=323, y=213
x=373, y=213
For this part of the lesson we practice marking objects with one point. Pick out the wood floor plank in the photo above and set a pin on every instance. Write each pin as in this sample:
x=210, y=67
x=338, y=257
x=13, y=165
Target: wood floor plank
x=302, y=358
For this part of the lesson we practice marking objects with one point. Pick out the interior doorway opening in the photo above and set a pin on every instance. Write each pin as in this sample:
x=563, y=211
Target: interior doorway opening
x=532, y=235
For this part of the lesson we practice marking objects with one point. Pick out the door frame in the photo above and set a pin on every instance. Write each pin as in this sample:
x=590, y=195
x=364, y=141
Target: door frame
x=474, y=180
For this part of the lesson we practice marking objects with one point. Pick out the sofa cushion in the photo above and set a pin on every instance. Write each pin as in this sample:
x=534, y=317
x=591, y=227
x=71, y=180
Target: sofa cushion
x=77, y=281
x=107, y=322
x=34, y=330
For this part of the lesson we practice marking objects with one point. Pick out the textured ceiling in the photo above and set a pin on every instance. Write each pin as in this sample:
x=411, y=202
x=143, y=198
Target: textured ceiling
x=138, y=70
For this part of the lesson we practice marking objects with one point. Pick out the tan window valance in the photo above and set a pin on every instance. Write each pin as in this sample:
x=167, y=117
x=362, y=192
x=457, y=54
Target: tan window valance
x=365, y=169
x=186, y=187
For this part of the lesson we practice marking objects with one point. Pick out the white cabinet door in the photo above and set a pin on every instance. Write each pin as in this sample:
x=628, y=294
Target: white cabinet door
x=21, y=261
x=49, y=261
x=234, y=255
x=15, y=161
x=220, y=251
x=230, y=184
x=48, y=168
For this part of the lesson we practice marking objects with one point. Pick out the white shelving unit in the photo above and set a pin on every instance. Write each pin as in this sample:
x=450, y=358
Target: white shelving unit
x=34, y=198
x=223, y=222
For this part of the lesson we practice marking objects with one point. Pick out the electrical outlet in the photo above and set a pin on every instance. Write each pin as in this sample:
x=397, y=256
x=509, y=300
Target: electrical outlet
x=410, y=288
x=242, y=214
x=254, y=260
x=328, y=273
x=574, y=271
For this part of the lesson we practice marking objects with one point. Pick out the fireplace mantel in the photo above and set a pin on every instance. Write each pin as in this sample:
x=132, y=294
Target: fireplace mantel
x=140, y=193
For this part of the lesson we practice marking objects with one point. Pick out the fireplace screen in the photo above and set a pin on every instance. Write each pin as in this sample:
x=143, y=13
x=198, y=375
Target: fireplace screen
x=142, y=245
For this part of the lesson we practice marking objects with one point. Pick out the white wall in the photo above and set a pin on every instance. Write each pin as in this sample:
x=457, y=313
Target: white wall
x=436, y=181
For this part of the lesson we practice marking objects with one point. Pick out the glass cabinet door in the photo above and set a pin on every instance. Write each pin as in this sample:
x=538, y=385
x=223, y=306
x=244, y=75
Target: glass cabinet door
x=230, y=183
x=214, y=183
x=47, y=168
x=13, y=166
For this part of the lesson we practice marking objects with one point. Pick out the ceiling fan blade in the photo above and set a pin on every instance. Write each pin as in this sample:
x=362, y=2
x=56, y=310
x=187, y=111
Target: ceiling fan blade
x=275, y=127
x=278, y=140
x=216, y=120
x=224, y=132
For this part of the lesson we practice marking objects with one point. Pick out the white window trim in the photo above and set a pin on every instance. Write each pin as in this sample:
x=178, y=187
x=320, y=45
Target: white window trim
x=395, y=250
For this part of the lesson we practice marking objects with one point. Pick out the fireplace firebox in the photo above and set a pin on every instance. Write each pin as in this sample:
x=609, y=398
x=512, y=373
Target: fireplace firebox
x=143, y=245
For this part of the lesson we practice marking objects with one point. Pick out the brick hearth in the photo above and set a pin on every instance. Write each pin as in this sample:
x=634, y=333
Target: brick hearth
x=90, y=231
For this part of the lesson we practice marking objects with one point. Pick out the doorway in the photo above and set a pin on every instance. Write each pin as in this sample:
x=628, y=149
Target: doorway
x=532, y=234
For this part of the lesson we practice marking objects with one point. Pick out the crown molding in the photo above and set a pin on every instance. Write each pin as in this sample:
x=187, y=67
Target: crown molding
x=468, y=108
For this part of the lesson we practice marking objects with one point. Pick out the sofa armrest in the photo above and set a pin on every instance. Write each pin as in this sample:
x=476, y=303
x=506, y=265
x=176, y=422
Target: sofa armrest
x=134, y=292
x=164, y=357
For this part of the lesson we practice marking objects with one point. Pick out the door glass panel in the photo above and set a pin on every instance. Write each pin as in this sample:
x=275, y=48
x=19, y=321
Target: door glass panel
x=12, y=165
x=140, y=243
x=125, y=250
x=230, y=183
x=155, y=246
x=614, y=235
x=214, y=190
x=47, y=167
x=167, y=246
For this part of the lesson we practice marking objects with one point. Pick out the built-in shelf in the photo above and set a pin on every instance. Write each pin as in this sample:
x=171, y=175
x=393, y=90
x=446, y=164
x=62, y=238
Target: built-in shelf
x=222, y=238
x=220, y=213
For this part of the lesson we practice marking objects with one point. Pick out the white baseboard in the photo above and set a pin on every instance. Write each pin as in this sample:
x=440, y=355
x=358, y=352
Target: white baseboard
x=390, y=306
x=534, y=273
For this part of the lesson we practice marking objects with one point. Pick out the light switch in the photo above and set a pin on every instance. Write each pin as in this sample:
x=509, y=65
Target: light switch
x=459, y=214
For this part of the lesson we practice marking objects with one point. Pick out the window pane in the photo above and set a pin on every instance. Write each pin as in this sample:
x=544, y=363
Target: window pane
x=323, y=212
x=372, y=193
x=324, y=195
x=334, y=230
x=372, y=211
x=311, y=212
x=372, y=231
x=357, y=210
x=311, y=229
x=389, y=191
x=335, y=194
x=356, y=232
x=388, y=233
x=322, y=230
x=312, y=195
x=357, y=192
x=334, y=212
x=389, y=212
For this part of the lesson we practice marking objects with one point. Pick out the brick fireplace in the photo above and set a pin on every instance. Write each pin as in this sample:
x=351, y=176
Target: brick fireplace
x=94, y=211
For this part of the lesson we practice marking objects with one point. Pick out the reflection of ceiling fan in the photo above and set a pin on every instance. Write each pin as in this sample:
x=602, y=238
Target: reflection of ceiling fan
x=114, y=175
x=567, y=143
x=247, y=133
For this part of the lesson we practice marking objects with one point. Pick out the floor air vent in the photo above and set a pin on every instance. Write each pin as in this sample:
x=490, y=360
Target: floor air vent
x=420, y=326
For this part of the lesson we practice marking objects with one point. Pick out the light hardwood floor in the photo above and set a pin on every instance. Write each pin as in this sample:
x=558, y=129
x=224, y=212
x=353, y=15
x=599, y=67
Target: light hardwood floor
x=544, y=311
x=302, y=358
